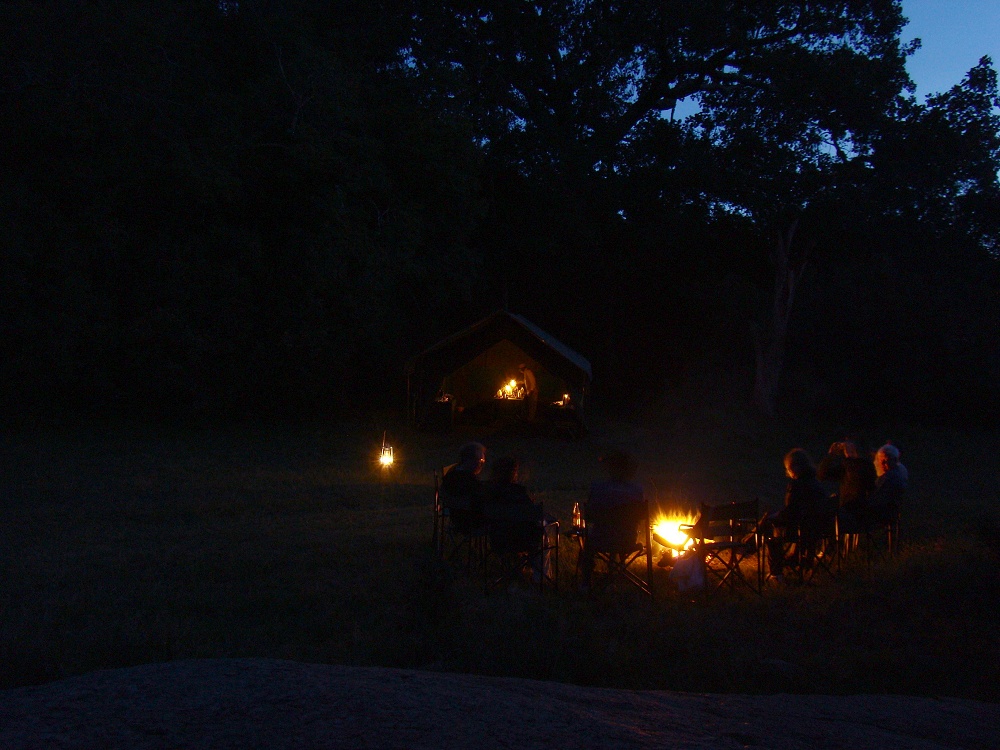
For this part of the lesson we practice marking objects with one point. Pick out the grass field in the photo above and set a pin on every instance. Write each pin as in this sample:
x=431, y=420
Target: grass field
x=122, y=546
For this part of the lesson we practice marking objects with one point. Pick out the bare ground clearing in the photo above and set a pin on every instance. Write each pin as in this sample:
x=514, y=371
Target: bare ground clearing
x=264, y=703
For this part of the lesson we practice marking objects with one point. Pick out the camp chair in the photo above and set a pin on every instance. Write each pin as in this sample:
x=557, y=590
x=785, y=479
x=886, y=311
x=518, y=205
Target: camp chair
x=725, y=537
x=613, y=536
x=458, y=529
x=879, y=537
x=437, y=538
x=518, y=541
x=813, y=548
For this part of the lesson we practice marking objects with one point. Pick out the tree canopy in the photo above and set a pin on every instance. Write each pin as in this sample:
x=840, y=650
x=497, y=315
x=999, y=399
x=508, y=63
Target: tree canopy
x=265, y=207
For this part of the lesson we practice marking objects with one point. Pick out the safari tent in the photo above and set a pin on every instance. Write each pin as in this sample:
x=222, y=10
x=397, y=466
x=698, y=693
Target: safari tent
x=459, y=379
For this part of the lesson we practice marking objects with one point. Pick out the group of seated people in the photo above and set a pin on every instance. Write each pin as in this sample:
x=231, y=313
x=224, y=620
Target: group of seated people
x=503, y=488
x=462, y=480
x=869, y=495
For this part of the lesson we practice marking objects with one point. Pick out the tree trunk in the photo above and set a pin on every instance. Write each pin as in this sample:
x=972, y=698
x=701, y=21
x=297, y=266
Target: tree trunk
x=769, y=339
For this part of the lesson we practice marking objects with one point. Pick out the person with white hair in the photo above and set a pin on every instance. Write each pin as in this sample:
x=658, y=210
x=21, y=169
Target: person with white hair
x=889, y=461
x=893, y=478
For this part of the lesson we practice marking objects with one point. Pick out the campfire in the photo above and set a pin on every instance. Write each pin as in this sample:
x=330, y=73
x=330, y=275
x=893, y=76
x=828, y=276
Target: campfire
x=667, y=532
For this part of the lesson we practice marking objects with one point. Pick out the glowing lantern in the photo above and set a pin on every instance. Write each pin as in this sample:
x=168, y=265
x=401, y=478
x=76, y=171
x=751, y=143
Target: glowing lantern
x=385, y=458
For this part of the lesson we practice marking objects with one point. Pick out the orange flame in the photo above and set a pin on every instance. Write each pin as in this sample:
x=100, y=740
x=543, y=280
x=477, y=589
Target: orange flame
x=667, y=528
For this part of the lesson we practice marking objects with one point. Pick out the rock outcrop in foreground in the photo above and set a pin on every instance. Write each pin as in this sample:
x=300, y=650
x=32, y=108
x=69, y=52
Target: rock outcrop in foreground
x=258, y=703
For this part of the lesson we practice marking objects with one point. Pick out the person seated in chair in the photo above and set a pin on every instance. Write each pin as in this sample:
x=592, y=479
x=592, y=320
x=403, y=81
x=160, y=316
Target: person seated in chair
x=504, y=489
x=616, y=491
x=847, y=464
x=463, y=482
x=886, y=500
x=807, y=509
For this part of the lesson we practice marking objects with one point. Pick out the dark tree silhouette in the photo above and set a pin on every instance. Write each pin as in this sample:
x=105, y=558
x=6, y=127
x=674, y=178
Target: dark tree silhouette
x=264, y=208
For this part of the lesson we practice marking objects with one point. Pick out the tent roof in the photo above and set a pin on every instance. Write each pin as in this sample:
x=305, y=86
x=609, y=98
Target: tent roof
x=460, y=348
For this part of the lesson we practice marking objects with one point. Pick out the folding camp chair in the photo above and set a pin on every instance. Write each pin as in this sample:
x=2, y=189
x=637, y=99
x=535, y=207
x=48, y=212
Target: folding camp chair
x=618, y=537
x=878, y=539
x=519, y=539
x=459, y=530
x=726, y=537
x=437, y=538
x=813, y=548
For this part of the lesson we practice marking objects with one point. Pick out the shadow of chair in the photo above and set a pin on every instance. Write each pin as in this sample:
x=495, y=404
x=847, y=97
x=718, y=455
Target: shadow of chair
x=619, y=536
x=726, y=537
x=519, y=539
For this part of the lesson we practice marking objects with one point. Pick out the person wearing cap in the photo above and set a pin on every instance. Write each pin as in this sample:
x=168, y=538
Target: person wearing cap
x=530, y=390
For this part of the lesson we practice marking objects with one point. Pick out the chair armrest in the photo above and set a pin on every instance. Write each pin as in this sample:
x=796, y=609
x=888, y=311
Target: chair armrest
x=691, y=529
x=679, y=546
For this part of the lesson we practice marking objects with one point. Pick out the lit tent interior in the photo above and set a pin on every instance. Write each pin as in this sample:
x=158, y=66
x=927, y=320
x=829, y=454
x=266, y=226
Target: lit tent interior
x=457, y=379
